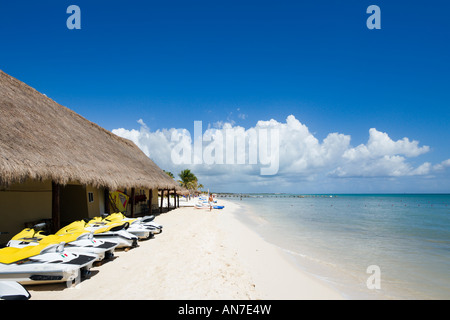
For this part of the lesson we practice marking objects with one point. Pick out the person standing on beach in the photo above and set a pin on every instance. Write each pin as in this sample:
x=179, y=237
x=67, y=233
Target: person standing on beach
x=211, y=201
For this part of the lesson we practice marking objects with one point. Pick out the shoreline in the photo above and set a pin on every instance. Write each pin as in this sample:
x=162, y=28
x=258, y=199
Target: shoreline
x=274, y=272
x=200, y=255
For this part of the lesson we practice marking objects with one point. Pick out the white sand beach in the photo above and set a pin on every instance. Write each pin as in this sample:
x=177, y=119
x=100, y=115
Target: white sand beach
x=199, y=255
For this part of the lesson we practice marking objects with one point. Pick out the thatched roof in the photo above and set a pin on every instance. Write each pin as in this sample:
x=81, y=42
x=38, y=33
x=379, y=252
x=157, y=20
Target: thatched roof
x=40, y=139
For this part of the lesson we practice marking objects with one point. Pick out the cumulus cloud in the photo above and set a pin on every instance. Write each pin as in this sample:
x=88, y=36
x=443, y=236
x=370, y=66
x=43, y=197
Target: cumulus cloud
x=300, y=155
x=380, y=144
x=441, y=166
x=382, y=156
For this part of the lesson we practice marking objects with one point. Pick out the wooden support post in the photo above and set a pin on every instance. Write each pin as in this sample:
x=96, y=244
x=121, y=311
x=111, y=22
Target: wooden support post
x=168, y=199
x=56, y=207
x=106, y=196
x=132, y=202
x=174, y=198
x=162, y=197
x=150, y=195
x=178, y=200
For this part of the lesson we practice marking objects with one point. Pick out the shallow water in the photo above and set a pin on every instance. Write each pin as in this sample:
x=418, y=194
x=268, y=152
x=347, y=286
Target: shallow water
x=337, y=238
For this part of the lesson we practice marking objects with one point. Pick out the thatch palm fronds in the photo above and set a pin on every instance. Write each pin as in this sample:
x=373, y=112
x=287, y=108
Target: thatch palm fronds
x=43, y=140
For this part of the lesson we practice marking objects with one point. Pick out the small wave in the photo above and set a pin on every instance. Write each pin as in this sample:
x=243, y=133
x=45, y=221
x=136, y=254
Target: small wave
x=309, y=257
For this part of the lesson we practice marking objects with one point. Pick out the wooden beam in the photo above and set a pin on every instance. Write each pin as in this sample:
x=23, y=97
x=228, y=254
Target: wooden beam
x=132, y=201
x=150, y=195
x=56, y=206
x=174, y=198
x=106, y=196
x=168, y=199
x=162, y=197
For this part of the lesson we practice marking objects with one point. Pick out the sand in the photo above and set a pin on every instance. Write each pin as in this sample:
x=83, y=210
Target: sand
x=199, y=255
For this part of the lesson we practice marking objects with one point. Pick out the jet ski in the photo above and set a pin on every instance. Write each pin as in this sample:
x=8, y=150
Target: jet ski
x=139, y=226
x=44, y=263
x=12, y=290
x=104, y=231
x=82, y=242
x=148, y=221
x=139, y=230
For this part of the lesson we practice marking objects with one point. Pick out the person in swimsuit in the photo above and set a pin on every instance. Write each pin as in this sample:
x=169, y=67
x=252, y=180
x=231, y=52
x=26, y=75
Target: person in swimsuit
x=211, y=202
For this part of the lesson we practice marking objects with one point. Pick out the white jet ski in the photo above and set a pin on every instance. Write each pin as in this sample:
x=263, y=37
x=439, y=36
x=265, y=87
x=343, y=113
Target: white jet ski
x=138, y=226
x=44, y=264
x=89, y=244
x=75, y=242
x=12, y=290
x=139, y=230
x=105, y=231
x=148, y=221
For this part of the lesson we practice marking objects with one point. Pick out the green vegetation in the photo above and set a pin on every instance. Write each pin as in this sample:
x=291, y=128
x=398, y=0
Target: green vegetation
x=189, y=181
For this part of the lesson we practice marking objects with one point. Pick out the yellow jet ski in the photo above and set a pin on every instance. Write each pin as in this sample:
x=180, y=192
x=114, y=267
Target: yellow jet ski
x=44, y=263
x=115, y=232
x=135, y=227
x=136, y=224
x=77, y=241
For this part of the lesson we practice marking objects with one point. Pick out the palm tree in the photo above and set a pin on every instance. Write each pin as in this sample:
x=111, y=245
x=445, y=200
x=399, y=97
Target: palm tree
x=187, y=177
x=192, y=186
x=189, y=181
x=170, y=174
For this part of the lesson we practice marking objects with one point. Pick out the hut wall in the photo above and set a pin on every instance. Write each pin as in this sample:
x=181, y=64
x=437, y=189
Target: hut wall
x=154, y=203
x=95, y=202
x=31, y=201
x=24, y=202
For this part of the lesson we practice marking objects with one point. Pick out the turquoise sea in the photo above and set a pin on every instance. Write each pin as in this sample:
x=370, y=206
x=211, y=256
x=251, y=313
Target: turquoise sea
x=336, y=237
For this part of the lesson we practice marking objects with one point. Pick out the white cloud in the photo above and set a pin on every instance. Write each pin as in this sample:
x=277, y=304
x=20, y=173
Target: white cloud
x=302, y=157
x=441, y=166
x=380, y=144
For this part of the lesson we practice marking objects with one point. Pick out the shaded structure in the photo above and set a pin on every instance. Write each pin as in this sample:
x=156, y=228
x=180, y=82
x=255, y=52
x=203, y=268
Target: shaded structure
x=55, y=164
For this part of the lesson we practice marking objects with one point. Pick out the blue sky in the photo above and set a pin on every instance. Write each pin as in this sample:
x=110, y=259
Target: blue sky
x=170, y=63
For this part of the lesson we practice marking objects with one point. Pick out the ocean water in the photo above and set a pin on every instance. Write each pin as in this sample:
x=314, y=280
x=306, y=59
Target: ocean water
x=337, y=237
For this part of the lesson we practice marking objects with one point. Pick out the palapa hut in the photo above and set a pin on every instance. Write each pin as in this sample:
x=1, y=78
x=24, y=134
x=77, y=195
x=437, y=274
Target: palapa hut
x=55, y=164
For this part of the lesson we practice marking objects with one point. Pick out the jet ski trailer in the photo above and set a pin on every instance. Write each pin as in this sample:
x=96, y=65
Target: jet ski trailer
x=44, y=264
